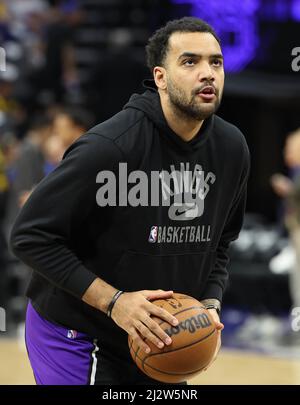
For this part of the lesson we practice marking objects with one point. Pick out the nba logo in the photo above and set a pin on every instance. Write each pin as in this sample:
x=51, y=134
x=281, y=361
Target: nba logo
x=72, y=334
x=153, y=234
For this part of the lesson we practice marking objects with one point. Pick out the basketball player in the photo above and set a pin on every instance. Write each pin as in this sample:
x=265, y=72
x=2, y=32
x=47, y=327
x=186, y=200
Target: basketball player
x=143, y=204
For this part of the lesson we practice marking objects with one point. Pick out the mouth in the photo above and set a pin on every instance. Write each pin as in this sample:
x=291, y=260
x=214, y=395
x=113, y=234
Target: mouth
x=207, y=93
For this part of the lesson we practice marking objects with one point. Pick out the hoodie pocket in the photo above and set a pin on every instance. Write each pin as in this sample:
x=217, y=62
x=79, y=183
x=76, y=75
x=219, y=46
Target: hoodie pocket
x=186, y=273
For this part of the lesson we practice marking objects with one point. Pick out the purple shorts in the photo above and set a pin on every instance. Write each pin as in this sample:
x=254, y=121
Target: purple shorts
x=59, y=356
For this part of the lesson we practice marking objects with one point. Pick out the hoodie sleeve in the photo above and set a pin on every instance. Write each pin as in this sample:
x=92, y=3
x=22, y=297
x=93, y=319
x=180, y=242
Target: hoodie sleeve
x=219, y=275
x=42, y=234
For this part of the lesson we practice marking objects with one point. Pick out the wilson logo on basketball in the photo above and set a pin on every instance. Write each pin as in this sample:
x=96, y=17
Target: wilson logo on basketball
x=191, y=324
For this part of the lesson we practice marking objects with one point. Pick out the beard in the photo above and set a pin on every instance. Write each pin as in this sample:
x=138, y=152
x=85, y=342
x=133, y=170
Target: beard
x=191, y=107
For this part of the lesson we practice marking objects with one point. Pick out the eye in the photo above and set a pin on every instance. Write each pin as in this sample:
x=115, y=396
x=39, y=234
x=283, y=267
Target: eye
x=189, y=62
x=217, y=62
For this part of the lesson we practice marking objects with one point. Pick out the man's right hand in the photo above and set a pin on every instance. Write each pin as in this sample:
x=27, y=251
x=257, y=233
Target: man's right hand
x=132, y=312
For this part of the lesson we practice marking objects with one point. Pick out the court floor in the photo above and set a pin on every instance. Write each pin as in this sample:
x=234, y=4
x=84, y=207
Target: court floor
x=232, y=367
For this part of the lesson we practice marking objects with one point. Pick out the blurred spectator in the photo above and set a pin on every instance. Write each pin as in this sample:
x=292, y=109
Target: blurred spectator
x=59, y=74
x=38, y=35
x=5, y=33
x=53, y=150
x=10, y=148
x=12, y=113
x=25, y=166
x=70, y=123
x=30, y=164
x=40, y=152
x=288, y=188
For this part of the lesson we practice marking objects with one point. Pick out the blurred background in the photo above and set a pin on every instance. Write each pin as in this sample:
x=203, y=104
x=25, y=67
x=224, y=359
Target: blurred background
x=66, y=65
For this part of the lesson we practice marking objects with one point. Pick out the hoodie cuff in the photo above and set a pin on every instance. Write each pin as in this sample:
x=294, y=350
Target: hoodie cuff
x=213, y=291
x=79, y=281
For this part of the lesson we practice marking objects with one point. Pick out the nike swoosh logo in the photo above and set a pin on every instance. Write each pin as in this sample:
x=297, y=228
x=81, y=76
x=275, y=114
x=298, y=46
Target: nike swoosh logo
x=178, y=212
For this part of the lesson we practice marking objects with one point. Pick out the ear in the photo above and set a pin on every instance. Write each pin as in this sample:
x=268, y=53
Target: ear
x=160, y=78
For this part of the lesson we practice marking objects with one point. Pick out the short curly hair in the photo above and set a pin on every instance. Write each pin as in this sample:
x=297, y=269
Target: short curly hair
x=157, y=47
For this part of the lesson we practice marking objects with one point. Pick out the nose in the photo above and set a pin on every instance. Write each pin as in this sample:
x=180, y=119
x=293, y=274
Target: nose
x=206, y=73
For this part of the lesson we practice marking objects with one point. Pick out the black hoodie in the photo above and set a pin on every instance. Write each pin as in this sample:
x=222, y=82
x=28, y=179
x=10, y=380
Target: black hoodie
x=68, y=239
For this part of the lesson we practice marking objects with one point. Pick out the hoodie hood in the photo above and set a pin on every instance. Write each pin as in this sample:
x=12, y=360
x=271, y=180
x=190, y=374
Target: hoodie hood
x=149, y=103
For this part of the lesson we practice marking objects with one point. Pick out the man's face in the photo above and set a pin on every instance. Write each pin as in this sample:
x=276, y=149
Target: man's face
x=65, y=128
x=194, y=74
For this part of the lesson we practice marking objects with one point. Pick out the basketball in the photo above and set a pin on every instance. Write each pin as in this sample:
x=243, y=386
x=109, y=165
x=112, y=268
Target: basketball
x=194, y=342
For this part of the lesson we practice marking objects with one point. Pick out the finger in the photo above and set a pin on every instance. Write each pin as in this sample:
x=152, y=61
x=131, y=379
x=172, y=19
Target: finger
x=139, y=341
x=163, y=314
x=158, y=294
x=219, y=326
x=158, y=331
x=146, y=332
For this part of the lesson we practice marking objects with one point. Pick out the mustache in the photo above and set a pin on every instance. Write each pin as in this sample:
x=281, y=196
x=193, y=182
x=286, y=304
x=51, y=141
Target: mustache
x=200, y=88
